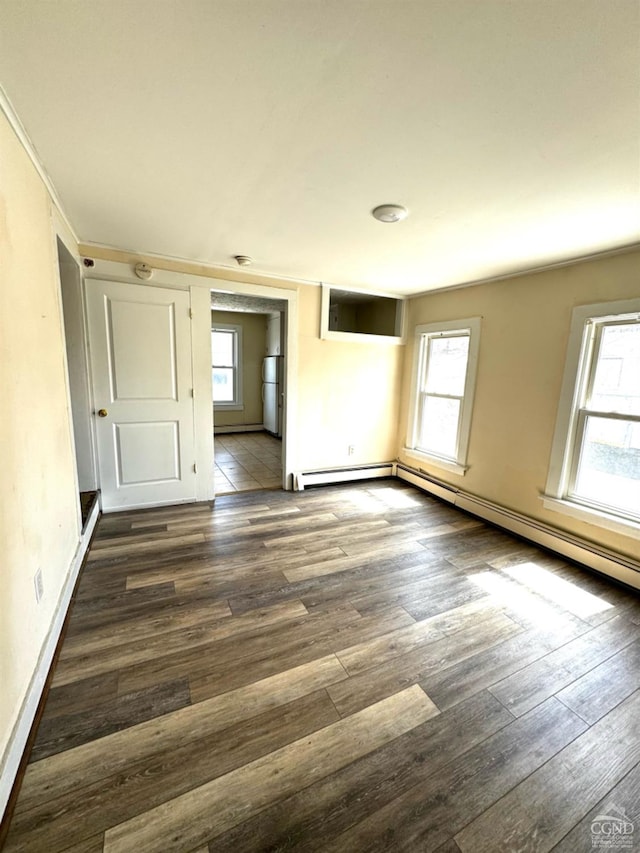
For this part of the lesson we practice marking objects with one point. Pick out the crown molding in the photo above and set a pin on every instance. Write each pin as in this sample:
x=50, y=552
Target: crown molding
x=213, y=271
x=19, y=129
x=554, y=265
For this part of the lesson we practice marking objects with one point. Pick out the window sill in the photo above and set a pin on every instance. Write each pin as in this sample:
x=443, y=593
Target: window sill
x=437, y=461
x=360, y=338
x=591, y=516
x=228, y=407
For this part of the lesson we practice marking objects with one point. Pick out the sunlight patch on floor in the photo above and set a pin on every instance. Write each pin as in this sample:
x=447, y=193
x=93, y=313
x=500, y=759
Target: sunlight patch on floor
x=516, y=597
x=394, y=499
x=558, y=590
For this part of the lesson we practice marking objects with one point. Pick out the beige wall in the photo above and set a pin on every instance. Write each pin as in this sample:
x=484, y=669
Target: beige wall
x=254, y=347
x=525, y=329
x=347, y=394
x=38, y=501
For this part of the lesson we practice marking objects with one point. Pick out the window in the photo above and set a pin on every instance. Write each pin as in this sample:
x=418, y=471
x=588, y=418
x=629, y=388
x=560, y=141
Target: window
x=226, y=346
x=596, y=461
x=443, y=385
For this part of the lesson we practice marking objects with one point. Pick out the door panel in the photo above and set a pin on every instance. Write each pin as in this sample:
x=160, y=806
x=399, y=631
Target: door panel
x=147, y=452
x=141, y=373
x=140, y=340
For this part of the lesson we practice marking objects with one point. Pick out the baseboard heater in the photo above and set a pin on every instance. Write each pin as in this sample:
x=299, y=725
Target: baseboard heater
x=622, y=568
x=342, y=475
x=229, y=430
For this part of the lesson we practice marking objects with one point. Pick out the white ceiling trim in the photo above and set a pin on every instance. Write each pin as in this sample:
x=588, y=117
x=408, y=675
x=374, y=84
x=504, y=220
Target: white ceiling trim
x=570, y=262
x=23, y=137
x=223, y=269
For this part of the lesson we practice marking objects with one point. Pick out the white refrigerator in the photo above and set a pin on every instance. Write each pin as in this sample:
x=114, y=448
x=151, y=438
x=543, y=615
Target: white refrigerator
x=272, y=393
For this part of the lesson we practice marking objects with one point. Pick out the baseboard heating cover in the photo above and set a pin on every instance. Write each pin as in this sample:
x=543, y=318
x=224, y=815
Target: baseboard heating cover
x=618, y=566
x=229, y=430
x=342, y=475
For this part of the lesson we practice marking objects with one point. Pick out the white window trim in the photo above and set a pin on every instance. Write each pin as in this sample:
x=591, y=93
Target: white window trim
x=555, y=497
x=459, y=464
x=237, y=405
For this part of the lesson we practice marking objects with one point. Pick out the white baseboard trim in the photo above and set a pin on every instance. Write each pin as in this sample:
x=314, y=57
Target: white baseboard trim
x=427, y=484
x=12, y=757
x=617, y=566
x=342, y=475
x=226, y=430
x=131, y=507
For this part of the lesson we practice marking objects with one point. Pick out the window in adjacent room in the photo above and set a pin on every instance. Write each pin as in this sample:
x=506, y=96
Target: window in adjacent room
x=596, y=463
x=444, y=379
x=226, y=349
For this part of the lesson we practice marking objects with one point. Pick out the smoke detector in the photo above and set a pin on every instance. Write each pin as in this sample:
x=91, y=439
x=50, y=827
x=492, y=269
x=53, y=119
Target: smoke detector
x=243, y=260
x=389, y=212
x=143, y=271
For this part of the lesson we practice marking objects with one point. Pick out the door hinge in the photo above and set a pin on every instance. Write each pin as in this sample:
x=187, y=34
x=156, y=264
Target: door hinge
x=191, y=390
x=195, y=468
x=190, y=314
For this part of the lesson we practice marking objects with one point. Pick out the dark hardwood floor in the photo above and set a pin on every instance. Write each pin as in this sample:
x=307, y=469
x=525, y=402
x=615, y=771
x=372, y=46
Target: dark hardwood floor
x=353, y=668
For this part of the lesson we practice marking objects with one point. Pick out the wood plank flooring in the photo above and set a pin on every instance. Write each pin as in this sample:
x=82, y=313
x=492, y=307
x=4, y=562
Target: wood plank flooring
x=350, y=668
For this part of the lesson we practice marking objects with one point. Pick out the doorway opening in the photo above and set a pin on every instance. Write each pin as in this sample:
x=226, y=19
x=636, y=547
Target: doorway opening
x=248, y=343
x=79, y=393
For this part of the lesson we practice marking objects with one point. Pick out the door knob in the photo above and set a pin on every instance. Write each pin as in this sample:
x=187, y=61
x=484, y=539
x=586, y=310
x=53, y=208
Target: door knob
x=102, y=413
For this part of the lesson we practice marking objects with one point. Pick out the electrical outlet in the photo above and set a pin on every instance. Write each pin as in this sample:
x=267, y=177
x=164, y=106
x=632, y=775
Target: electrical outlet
x=39, y=585
x=352, y=449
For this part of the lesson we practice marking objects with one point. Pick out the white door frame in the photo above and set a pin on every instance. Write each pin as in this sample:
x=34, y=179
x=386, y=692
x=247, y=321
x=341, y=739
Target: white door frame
x=60, y=230
x=200, y=287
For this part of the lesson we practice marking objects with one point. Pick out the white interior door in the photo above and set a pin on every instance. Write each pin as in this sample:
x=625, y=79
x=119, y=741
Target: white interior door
x=140, y=341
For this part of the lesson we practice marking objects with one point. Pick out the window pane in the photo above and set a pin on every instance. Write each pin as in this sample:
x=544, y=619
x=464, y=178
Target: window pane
x=222, y=378
x=616, y=386
x=222, y=348
x=447, y=365
x=439, y=427
x=609, y=467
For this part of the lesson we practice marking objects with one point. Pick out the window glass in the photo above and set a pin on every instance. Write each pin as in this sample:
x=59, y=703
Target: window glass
x=594, y=472
x=439, y=427
x=222, y=347
x=609, y=464
x=225, y=360
x=222, y=384
x=444, y=380
x=616, y=386
x=606, y=447
x=447, y=365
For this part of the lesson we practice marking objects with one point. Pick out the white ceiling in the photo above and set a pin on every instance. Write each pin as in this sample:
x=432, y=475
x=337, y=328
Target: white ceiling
x=203, y=129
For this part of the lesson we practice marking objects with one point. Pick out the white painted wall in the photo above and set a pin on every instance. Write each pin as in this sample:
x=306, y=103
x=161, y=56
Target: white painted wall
x=39, y=510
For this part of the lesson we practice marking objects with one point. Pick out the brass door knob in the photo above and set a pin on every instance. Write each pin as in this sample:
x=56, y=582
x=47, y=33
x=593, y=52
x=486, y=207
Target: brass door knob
x=102, y=413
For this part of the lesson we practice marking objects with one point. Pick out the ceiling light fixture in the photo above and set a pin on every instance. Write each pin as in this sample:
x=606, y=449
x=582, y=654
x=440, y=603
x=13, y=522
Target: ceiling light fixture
x=389, y=212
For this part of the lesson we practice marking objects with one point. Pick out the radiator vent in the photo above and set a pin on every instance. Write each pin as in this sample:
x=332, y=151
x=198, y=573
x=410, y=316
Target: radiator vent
x=342, y=475
x=622, y=568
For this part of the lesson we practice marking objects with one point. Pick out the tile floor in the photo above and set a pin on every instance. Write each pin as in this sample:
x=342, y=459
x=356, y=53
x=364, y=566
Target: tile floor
x=246, y=461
